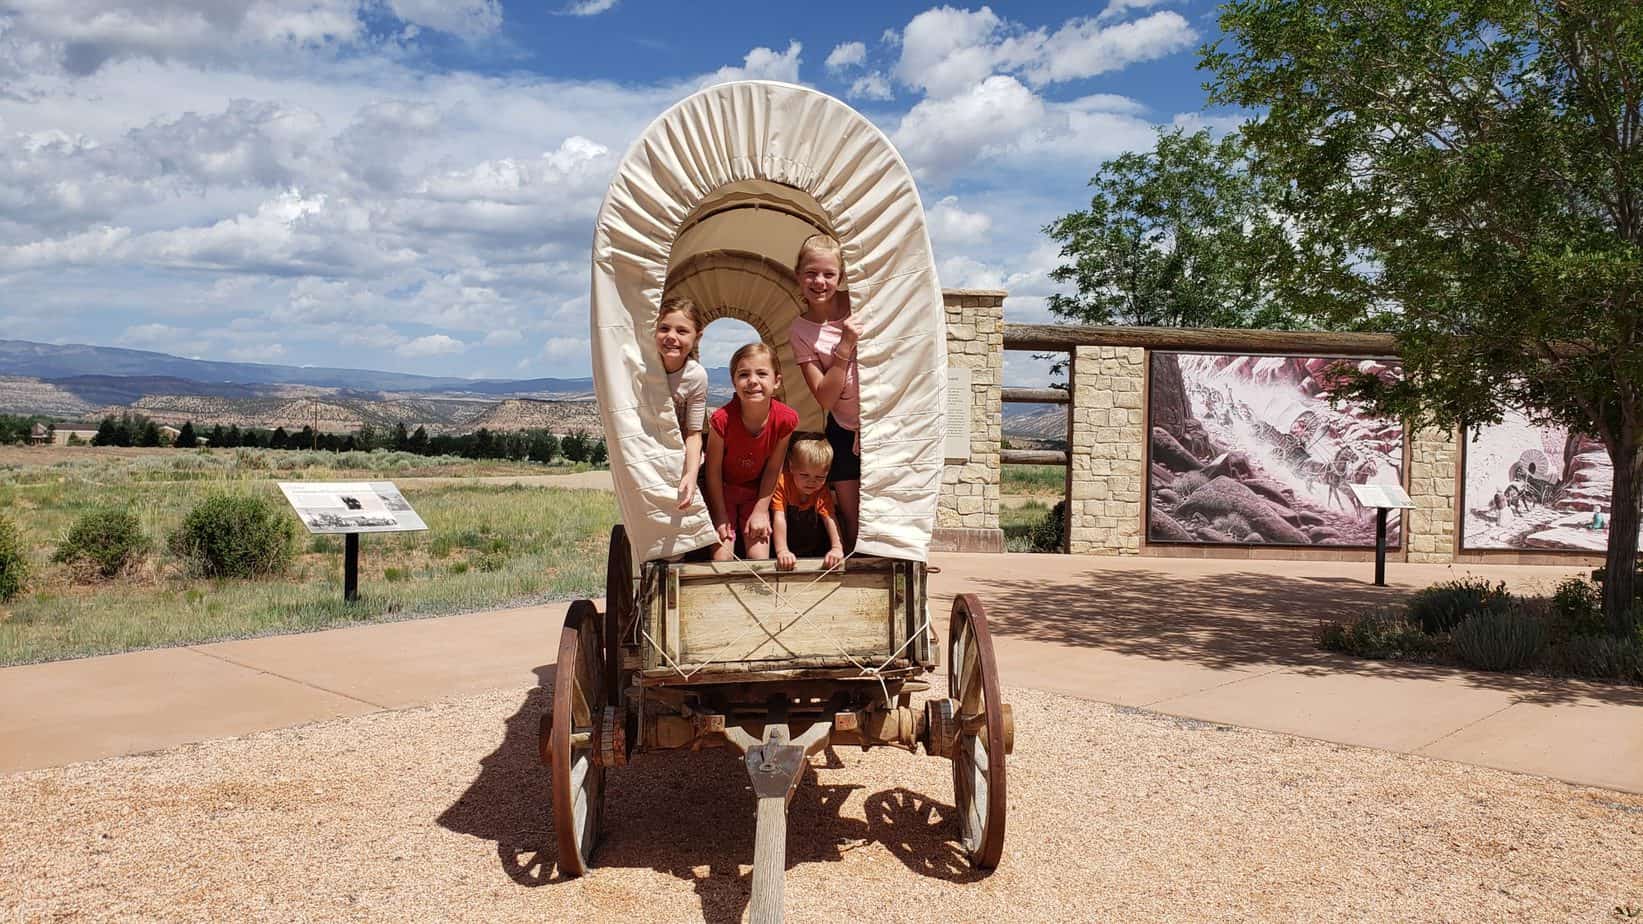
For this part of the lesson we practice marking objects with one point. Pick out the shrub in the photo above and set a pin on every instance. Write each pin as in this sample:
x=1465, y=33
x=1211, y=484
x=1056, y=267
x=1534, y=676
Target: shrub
x=1047, y=534
x=1499, y=641
x=105, y=542
x=1577, y=609
x=233, y=535
x=1381, y=634
x=1442, y=607
x=1600, y=656
x=14, y=566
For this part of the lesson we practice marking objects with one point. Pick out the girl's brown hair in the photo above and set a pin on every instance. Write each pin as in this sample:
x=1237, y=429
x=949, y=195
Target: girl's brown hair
x=821, y=243
x=681, y=304
x=750, y=350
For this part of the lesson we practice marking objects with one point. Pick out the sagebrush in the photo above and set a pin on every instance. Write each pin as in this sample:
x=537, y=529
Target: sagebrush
x=103, y=542
x=1442, y=607
x=1499, y=641
x=14, y=564
x=236, y=535
x=1381, y=634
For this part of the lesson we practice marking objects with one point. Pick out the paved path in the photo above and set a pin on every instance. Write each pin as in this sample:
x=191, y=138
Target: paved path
x=1224, y=641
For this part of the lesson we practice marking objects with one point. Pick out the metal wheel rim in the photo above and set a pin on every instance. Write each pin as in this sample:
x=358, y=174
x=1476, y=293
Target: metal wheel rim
x=578, y=781
x=978, y=759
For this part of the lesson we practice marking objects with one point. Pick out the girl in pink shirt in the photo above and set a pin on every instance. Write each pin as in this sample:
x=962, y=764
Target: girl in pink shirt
x=824, y=345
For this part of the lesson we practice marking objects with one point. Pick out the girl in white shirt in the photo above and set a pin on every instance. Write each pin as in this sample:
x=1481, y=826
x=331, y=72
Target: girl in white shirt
x=678, y=325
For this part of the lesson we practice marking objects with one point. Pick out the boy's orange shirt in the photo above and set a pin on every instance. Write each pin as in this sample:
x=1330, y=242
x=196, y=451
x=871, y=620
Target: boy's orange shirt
x=787, y=488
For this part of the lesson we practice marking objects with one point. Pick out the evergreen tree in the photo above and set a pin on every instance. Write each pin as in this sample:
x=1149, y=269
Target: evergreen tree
x=402, y=440
x=149, y=435
x=418, y=443
x=597, y=454
x=543, y=446
x=279, y=439
x=105, y=432
x=185, y=436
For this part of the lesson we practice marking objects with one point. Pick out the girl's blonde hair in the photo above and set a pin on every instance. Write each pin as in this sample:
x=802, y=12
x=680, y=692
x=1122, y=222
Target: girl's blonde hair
x=750, y=350
x=821, y=243
x=682, y=304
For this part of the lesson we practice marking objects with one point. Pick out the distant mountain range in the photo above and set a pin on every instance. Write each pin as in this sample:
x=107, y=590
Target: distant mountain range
x=67, y=361
x=78, y=381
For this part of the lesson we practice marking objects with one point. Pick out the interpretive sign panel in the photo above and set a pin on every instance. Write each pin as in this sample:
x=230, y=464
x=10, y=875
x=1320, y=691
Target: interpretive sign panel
x=1389, y=496
x=958, y=412
x=351, y=506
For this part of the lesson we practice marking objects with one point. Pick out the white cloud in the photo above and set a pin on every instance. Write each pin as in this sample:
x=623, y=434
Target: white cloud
x=873, y=86
x=847, y=55
x=761, y=64
x=1117, y=8
x=431, y=345
x=560, y=349
x=938, y=135
x=951, y=226
x=947, y=52
x=151, y=335
x=1083, y=48
x=466, y=18
x=587, y=7
x=503, y=337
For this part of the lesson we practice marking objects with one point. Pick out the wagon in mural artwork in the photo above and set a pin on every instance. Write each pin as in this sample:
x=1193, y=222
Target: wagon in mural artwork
x=712, y=202
x=1528, y=484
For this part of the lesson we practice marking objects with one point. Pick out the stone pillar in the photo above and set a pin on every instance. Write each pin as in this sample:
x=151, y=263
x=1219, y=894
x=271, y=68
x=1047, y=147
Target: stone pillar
x=967, y=516
x=1434, y=483
x=1106, y=435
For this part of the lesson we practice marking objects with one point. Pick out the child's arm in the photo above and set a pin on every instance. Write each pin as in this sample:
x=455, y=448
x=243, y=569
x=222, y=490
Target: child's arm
x=715, y=486
x=835, y=549
x=826, y=386
x=785, y=560
x=693, y=465
x=758, y=524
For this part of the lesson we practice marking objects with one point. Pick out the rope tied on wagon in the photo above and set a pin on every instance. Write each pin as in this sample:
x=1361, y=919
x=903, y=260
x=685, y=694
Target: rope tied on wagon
x=782, y=602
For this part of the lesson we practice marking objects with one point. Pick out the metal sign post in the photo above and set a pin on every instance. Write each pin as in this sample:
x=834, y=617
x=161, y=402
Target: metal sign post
x=1382, y=497
x=351, y=508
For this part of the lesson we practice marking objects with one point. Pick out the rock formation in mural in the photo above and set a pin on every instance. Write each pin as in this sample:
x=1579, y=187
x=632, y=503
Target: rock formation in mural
x=1247, y=450
x=1535, y=487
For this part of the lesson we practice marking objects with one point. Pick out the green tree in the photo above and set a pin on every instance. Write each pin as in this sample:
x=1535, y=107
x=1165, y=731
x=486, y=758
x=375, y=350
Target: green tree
x=575, y=446
x=186, y=438
x=149, y=435
x=105, y=432
x=418, y=443
x=279, y=439
x=597, y=454
x=543, y=446
x=401, y=439
x=1479, y=165
x=1183, y=235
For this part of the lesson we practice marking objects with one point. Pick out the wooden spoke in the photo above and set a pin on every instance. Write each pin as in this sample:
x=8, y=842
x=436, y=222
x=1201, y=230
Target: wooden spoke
x=978, y=754
x=578, y=780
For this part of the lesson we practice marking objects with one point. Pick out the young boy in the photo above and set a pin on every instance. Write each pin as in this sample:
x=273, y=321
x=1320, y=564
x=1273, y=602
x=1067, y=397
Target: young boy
x=801, y=510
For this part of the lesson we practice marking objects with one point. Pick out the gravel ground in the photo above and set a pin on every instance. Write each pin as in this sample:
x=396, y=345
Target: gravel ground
x=439, y=813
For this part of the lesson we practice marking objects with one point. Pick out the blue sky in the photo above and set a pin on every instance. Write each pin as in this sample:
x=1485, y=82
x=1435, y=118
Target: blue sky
x=411, y=184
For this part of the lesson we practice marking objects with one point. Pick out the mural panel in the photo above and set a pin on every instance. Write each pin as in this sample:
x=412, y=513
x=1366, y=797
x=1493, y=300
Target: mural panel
x=1247, y=450
x=1534, y=487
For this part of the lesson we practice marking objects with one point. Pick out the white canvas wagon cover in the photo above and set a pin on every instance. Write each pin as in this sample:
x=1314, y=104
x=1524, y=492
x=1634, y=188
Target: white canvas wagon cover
x=712, y=201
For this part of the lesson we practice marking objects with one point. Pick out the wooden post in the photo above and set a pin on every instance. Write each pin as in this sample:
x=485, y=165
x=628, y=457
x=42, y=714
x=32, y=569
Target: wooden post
x=350, y=567
x=1380, y=546
x=769, y=861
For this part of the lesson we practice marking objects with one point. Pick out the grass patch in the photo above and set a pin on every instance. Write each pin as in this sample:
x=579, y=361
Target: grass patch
x=1037, y=480
x=531, y=544
x=107, y=466
x=1030, y=527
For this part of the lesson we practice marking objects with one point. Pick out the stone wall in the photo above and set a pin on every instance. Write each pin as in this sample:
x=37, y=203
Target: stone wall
x=1107, y=431
x=967, y=516
x=1434, y=484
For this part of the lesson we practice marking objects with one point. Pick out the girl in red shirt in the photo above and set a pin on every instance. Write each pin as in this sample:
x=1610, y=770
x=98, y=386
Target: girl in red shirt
x=746, y=443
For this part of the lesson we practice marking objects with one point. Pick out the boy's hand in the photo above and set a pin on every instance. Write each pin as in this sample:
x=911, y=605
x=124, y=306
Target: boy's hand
x=834, y=556
x=758, y=526
x=785, y=560
x=687, y=492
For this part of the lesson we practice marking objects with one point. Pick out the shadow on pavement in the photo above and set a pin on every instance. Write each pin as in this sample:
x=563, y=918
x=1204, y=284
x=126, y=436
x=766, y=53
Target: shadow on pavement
x=1230, y=620
x=689, y=815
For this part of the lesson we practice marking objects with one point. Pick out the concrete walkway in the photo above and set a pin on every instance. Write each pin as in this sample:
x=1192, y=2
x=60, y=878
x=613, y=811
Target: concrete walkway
x=1217, y=640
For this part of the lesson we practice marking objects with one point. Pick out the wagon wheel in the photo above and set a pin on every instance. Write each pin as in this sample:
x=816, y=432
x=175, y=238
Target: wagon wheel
x=578, y=780
x=978, y=753
x=618, y=610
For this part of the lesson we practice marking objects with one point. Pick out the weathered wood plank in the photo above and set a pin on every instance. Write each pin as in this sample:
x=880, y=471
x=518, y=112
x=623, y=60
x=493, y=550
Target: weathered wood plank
x=1037, y=395
x=1032, y=457
x=809, y=617
x=1062, y=337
